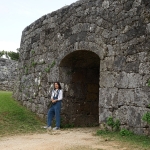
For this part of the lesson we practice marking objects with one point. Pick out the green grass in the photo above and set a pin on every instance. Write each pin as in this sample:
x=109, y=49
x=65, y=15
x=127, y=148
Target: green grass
x=16, y=119
x=131, y=141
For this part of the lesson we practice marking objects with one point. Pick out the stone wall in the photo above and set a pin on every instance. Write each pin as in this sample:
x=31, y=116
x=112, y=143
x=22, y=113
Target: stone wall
x=8, y=74
x=115, y=31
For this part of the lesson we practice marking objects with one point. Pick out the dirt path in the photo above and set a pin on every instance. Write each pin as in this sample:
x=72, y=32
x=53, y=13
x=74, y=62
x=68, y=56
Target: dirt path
x=71, y=139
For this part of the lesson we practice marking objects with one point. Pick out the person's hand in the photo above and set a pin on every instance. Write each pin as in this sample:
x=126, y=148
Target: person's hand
x=54, y=101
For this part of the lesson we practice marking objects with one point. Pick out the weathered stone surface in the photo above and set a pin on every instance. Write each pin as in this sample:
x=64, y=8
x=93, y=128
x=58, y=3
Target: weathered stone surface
x=100, y=52
x=110, y=99
x=8, y=74
x=125, y=97
x=129, y=80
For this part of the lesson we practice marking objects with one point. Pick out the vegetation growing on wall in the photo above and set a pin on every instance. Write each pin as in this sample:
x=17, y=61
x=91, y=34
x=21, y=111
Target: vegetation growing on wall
x=125, y=134
x=114, y=124
x=50, y=66
x=146, y=117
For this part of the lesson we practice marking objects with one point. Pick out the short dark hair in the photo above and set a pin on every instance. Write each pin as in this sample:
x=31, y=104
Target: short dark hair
x=59, y=86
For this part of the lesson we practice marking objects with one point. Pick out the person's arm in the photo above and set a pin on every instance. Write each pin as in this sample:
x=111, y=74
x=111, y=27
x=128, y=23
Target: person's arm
x=60, y=96
x=52, y=95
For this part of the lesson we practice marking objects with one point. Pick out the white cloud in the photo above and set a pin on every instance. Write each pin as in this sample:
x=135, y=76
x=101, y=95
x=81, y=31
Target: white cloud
x=8, y=45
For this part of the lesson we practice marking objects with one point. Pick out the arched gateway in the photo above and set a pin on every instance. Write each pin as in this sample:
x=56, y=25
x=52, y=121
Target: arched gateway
x=79, y=71
x=99, y=51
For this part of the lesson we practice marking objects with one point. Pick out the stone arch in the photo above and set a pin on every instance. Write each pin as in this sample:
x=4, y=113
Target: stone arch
x=82, y=46
x=79, y=72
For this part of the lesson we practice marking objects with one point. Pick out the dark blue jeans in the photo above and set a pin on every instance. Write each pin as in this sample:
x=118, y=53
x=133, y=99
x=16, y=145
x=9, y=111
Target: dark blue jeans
x=54, y=111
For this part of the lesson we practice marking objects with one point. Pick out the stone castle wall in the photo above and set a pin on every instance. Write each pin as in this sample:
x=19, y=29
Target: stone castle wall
x=100, y=52
x=8, y=74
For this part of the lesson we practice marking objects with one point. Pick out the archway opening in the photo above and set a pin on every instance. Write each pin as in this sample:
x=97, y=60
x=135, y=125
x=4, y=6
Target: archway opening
x=79, y=71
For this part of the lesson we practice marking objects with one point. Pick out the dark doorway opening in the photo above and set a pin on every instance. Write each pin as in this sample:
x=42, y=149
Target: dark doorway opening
x=79, y=71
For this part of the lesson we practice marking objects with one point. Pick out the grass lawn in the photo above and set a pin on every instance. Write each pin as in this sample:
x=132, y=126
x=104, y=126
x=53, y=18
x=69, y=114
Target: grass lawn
x=138, y=142
x=16, y=119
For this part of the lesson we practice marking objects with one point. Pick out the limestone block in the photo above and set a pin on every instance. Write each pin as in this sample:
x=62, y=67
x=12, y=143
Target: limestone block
x=143, y=56
x=136, y=3
x=28, y=105
x=105, y=4
x=108, y=97
x=132, y=58
x=148, y=27
x=42, y=100
x=119, y=62
x=144, y=68
x=33, y=107
x=53, y=75
x=106, y=33
x=125, y=97
x=108, y=79
x=107, y=64
x=132, y=67
x=104, y=114
x=40, y=109
x=145, y=79
x=122, y=114
x=134, y=116
x=134, y=80
x=111, y=51
x=142, y=97
x=129, y=80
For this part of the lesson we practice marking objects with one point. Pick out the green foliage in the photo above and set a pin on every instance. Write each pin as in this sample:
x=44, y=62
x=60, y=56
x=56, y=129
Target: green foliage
x=11, y=54
x=47, y=69
x=146, y=117
x=32, y=51
x=102, y=132
x=53, y=64
x=2, y=53
x=125, y=132
x=34, y=64
x=50, y=66
x=26, y=70
x=110, y=122
x=15, y=118
x=115, y=125
x=127, y=138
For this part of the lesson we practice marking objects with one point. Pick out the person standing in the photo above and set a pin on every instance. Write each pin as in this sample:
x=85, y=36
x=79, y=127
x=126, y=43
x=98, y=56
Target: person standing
x=56, y=99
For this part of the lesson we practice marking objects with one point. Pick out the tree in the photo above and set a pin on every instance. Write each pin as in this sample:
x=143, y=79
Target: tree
x=10, y=55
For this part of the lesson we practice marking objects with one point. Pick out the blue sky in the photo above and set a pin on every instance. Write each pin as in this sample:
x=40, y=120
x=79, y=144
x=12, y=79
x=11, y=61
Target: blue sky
x=15, y=15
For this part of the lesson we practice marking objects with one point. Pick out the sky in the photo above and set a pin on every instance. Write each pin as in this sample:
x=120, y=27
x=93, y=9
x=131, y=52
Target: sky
x=15, y=15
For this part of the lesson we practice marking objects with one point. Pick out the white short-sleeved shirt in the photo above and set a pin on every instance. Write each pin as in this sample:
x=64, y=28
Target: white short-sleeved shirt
x=60, y=95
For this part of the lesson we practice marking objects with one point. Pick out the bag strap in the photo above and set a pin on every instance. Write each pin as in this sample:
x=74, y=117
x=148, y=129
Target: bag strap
x=58, y=92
